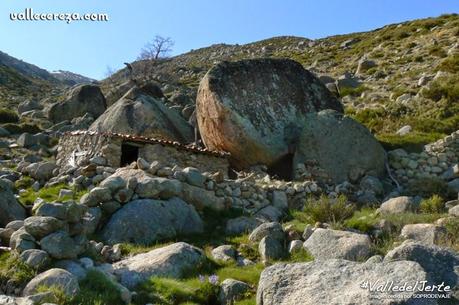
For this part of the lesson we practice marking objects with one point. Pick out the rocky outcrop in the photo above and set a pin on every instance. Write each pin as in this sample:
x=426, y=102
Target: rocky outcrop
x=137, y=113
x=10, y=209
x=146, y=221
x=336, y=148
x=254, y=109
x=335, y=281
x=170, y=261
x=81, y=100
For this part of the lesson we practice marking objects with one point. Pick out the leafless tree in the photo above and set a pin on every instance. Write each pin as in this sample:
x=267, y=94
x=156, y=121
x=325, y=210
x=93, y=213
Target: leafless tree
x=109, y=71
x=159, y=47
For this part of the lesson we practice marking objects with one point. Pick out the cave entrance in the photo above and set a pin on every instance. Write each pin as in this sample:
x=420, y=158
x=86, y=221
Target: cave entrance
x=129, y=153
x=282, y=168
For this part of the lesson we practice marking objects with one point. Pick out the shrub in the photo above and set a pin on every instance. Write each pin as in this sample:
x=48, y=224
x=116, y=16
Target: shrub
x=412, y=142
x=434, y=204
x=329, y=210
x=21, y=128
x=449, y=64
x=352, y=91
x=437, y=51
x=452, y=233
x=8, y=116
x=363, y=220
x=427, y=187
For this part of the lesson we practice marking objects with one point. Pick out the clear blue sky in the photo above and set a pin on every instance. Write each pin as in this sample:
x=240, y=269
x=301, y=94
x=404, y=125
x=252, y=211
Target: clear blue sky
x=89, y=47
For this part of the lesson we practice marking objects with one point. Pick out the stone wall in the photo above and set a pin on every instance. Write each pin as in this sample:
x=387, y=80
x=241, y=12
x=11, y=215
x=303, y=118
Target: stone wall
x=171, y=156
x=436, y=160
x=79, y=149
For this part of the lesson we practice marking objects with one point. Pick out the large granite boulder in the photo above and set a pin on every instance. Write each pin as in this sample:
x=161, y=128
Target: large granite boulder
x=10, y=209
x=337, y=281
x=338, y=147
x=81, y=100
x=138, y=113
x=327, y=244
x=254, y=109
x=170, y=261
x=145, y=221
x=441, y=264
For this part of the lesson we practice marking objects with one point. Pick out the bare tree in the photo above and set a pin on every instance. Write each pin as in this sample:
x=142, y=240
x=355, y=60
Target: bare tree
x=109, y=71
x=159, y=47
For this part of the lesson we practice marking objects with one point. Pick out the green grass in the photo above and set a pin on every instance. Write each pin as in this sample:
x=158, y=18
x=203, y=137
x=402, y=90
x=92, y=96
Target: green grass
x=412, y=142
x=49, y=194
x=11, y=268
x=301, y=256
x=366, y=219
x=169, y=291
x=353, y=91
x=95, y=289
x=247, y=274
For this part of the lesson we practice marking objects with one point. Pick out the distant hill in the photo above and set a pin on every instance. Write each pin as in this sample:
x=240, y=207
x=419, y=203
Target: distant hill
x=71, y=78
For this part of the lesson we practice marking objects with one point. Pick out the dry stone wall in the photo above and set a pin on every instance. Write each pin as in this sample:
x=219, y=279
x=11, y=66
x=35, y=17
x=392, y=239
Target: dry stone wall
x=436, y=160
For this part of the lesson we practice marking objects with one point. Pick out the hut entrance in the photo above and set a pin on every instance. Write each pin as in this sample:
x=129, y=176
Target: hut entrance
x=129, y=154
x=283, y=168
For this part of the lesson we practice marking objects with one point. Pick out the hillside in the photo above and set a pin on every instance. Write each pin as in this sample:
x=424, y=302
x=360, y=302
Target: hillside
x=20, y=80
x=402, y=86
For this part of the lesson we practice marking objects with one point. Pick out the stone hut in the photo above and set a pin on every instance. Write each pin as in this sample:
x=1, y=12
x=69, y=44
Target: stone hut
x=118, y=150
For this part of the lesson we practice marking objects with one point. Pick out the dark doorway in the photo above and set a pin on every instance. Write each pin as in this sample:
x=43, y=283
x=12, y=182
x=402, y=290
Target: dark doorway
x=283, y=168
x=129, y=154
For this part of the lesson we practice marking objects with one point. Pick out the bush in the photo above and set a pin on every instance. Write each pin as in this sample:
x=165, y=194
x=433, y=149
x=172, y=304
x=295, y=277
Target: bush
x=21, y=128
x=437, y=51
x=352, y=91
x=449, y=64
x=8, y=116
x=412, y=142
x=427, y=187
x=433, y=204
x=329, y=210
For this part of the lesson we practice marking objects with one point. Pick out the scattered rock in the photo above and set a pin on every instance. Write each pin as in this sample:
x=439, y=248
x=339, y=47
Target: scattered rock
x=272, y=229
x=397, y=205
x=224, y=253
x=231, y=291
x=170, y=261
x=146, y=221
x=10, y=209
x=424, y=232
x=53, y=278
x=327, y=244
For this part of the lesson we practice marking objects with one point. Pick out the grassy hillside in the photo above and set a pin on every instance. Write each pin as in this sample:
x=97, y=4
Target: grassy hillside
x=403, y=53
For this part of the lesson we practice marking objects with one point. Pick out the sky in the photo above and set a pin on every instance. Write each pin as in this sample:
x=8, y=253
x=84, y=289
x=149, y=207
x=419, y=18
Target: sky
x=88, y=48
